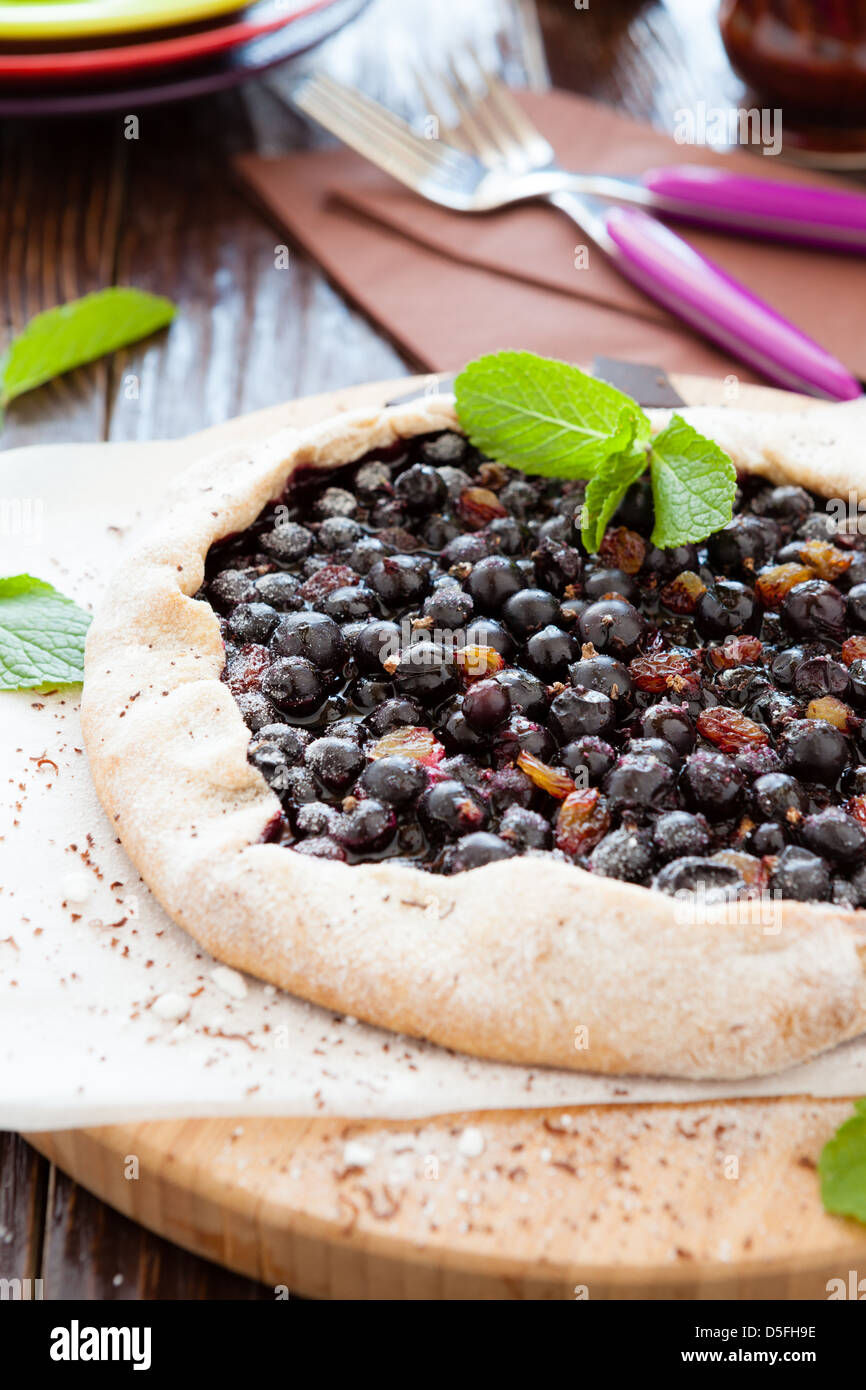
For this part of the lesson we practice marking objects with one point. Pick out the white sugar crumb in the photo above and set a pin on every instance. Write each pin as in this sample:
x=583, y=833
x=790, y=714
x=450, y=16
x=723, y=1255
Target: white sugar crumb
x=180, y=1031
x=75, y=886
x=471, y=1142
x=725, y=1251
x=270, y=990
x=170, y=1007
x=229, y=981
x=117, y=1280
x=357, y=1155
x=350, y=1021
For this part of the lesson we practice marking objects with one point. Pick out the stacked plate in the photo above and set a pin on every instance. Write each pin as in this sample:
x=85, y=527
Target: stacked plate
x=62, y=57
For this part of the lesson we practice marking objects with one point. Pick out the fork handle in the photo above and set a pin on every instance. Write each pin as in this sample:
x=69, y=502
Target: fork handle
x=769, y=207
x=673, y=273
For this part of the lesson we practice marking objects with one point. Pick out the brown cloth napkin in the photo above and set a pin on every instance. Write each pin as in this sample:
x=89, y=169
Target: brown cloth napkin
x=447, y=286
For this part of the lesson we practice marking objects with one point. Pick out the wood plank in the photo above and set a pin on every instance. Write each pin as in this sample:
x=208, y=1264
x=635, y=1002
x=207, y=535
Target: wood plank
x=249, y=333
x=61, y=205
x=23, y=1185
x=90, y=1252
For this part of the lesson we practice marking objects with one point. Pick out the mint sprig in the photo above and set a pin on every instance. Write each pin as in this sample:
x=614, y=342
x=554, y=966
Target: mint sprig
x=693, y=483
x=842, y=1167
x=41, y=635
x=545, y=416
x=606, y=489
x=72, y=334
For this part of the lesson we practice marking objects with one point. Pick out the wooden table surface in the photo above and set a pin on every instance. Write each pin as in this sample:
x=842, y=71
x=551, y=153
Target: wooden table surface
x=81, y=207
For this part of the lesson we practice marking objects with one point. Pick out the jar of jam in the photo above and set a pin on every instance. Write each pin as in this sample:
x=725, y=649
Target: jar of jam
x=806, y=56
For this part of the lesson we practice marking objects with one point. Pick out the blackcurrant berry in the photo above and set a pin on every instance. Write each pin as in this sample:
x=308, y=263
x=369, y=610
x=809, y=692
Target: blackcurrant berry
x=492, y=581
x=711, y=783
x=814, y=750
x=476, y=850
x=550, y=651
x=577, y=711
x=395, y=780
x=724, y=609
x=612, y=626
x=798, y=873
x=814, y=611
x=486, y=705
x=624, y=854
x=314, y=636
x=421, y=488
x=525, y=612
x=293, y=684
x=335, y=761
x=640, y=782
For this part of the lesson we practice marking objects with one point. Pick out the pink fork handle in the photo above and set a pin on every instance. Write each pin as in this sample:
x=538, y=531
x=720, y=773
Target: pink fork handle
x=735, y=202
x=670, y=271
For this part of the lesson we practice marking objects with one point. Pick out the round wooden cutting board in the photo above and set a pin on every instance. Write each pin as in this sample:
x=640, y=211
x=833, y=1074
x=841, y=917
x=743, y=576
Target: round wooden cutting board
x=707, y=1200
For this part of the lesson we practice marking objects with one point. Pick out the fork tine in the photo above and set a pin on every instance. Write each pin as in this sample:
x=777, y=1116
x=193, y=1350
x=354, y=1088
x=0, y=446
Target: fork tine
x=378, y=117
x=487, y=116
x=538, y=150
x=472, y=132
x=425, y=157
x=364, y=136
x=447, y=129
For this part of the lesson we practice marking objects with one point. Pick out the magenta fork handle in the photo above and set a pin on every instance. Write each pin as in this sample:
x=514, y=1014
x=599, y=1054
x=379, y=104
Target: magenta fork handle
x=673, y=273
x=785, y=211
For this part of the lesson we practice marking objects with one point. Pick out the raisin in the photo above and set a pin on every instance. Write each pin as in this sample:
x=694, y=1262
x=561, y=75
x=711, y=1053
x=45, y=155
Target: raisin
x=476, y=662
x=552, y=780
x=735, y=651
x=773, y=584
x=244, y=672
x=583, y=820
x=751, y=869
x=325, y=581
x=682, y=593
x=825, y=559
x=399, y=538
x=410, y=741
x=478, y=505
x=853, y=649
x=730, y=730
x=831, y=709
x=659, y=671
x=493, y=476
x=622, y=549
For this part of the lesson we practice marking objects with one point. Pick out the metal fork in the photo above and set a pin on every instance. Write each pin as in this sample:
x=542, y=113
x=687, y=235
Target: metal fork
x=431, y=167
x=504, y=160
x=492, y=126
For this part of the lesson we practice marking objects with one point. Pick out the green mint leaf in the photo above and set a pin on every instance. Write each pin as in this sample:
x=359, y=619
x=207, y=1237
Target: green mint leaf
x=693, y=483
x=41, y=635
x=72, y=334
x=605, y=490
x=842, y=1167
x=544, y=416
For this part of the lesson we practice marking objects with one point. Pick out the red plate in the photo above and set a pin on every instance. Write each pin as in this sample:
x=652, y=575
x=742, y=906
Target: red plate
x=102, y=63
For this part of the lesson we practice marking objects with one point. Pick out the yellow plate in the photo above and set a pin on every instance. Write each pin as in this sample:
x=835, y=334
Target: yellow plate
x=64, y=19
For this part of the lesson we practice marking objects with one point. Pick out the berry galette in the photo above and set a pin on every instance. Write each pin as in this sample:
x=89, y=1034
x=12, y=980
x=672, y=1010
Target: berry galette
x=377, y=725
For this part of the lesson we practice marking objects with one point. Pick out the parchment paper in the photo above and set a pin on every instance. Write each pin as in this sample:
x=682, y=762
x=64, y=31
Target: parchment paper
x=108, y=1011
